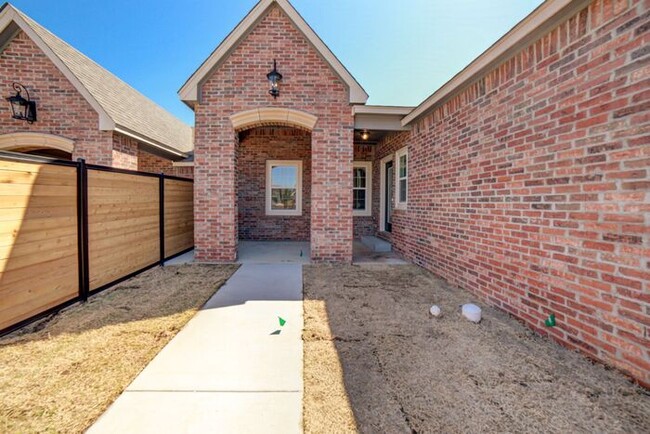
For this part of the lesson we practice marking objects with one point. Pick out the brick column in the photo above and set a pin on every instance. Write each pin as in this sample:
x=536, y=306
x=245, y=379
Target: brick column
x=215, y=195
x=331, y=209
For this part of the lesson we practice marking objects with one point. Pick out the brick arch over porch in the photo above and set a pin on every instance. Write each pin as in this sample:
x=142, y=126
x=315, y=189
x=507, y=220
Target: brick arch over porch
x=28, y=141
x=273, y=116
x=33, y=142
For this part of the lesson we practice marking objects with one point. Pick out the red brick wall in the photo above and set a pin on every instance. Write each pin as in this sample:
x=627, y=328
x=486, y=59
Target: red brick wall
x=154, y=164
x=256, y=146
x=240, y=84
x=530, y=188
x=61, y=110
x=125, y=152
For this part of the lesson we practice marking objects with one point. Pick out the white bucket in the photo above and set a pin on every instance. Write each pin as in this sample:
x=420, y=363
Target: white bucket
x=472, y=312
x=435, y=311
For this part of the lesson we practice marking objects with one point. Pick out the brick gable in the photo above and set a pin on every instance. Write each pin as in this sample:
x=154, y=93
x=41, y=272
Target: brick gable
x=61, y=109
x=239, y=84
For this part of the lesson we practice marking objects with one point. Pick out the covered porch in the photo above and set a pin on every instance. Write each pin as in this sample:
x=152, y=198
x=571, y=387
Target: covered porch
x=275, y=177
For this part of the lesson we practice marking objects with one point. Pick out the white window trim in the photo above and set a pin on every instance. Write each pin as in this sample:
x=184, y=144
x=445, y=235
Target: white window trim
x=368, y=211
x=283, y=212
x=399, y=203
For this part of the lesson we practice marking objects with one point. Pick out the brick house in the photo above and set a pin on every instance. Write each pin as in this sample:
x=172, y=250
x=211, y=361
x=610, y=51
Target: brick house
x=83, y=111
x=524, y=179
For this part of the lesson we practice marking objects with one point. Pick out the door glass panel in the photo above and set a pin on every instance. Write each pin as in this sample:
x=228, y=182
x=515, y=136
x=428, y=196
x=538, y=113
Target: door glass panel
x=390, y=180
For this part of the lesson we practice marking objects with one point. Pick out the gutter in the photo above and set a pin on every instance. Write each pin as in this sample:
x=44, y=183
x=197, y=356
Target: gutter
x=157, y=145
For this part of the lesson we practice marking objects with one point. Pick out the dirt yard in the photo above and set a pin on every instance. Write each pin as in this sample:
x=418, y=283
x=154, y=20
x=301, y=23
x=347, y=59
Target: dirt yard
x=61, y=374
x=376, y=361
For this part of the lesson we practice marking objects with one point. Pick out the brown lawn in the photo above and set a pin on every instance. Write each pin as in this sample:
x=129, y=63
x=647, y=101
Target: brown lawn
x=61, y=374
x=376, y=361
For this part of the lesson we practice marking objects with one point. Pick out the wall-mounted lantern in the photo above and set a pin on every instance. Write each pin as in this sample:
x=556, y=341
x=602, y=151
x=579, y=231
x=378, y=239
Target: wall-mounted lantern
x=274, y=78
x=21, y=108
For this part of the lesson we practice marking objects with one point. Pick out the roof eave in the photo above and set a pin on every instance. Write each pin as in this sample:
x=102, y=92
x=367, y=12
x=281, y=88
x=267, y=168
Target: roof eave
x=536, y=24
x=172, y=152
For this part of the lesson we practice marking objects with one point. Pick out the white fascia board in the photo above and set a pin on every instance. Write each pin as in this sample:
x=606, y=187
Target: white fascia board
x=183, y=164
x=382, y=110
x=380, y=122
x=129, y=133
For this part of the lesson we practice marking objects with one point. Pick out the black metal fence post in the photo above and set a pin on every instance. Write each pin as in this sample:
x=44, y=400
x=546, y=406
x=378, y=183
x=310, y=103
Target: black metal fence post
x=82, y=229
x=161, y=199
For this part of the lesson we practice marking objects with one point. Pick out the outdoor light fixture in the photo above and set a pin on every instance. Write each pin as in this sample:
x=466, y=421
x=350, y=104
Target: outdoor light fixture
x=365, y=135
x=274, y=78
x=21, y=108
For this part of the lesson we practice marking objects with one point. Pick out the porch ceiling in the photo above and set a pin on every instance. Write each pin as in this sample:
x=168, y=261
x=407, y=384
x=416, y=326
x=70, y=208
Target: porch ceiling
x=378, y=121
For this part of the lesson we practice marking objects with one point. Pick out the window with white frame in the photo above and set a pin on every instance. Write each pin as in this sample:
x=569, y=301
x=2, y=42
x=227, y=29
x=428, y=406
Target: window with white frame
x=284, y=187
x=401, y=175
x=362, y=188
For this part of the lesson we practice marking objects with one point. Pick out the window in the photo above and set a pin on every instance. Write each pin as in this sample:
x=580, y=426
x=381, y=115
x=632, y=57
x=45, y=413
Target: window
x=284, y=187
x=402, y=158
x=362, y=188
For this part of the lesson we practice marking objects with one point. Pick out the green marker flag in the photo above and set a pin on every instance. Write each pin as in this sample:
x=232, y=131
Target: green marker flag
x=550, y=321
x=282, y=321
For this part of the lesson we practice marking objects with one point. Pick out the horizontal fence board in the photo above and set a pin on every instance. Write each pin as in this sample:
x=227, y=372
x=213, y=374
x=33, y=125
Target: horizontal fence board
x=37, y=190
x=26, y=264
x=123, y=228
x=15, y=166
x=35, y=213
x=117, y=242
x=23, y=276
x=44, y=177
x=179, y=216
x=38, y=239
x=61, y=244
x=109, y=269
x=43, y=202
x=10, y=238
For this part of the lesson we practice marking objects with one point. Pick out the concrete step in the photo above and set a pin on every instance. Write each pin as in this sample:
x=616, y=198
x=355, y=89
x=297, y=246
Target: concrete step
x=376, y=244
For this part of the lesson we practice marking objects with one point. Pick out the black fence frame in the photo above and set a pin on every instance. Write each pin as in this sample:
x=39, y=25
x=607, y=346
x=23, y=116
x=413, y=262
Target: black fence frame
x=82, y=228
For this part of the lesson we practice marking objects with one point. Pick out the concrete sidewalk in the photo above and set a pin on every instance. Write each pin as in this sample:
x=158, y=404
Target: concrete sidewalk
x=228, y=370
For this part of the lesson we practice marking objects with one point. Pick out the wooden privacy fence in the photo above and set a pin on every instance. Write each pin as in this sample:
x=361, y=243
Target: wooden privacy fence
x=69, y=230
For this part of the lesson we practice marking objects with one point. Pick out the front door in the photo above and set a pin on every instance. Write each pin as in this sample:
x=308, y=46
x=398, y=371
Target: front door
x=389, y=185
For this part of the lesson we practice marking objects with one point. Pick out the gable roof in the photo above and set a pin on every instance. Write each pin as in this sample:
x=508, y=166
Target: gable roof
x=120, y=107
x=190, y=90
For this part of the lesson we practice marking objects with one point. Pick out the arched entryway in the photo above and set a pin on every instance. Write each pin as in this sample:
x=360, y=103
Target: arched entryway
x=44, y=145
x=274, y=182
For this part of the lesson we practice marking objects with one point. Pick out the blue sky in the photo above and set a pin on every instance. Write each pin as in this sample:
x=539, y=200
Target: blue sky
x=400, y=51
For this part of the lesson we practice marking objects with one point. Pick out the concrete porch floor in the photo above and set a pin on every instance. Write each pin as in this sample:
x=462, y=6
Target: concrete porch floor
x=273, y=252
x=288, y=252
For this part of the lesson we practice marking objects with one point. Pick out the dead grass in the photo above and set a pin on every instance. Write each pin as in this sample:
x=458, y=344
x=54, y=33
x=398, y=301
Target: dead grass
x=375, y=361
x=60, y=375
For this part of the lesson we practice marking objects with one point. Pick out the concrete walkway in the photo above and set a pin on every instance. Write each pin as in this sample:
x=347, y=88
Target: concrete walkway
x=232, y=369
